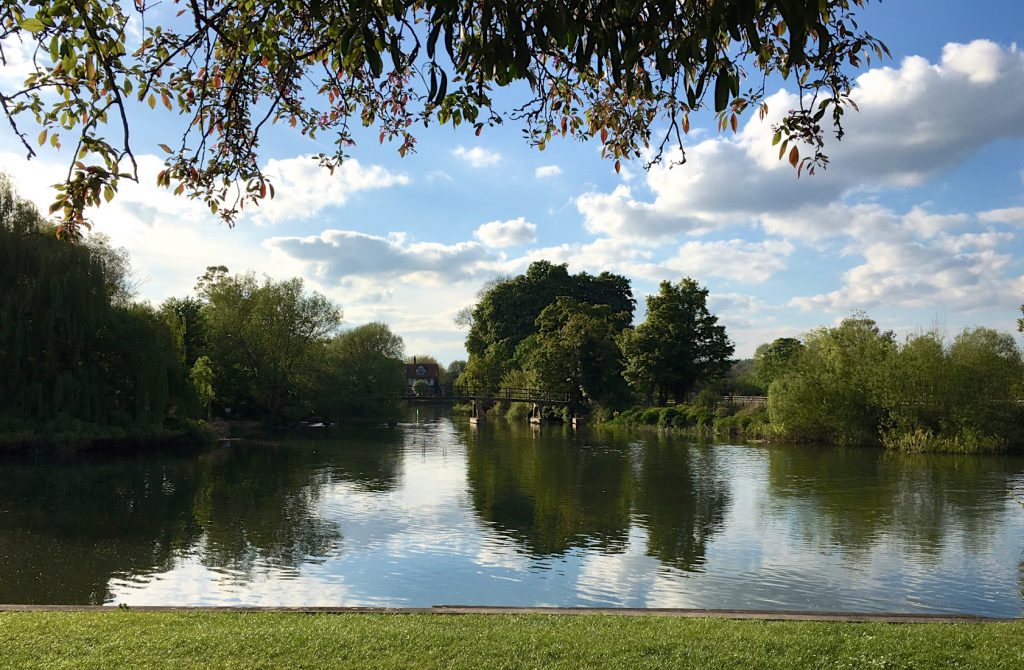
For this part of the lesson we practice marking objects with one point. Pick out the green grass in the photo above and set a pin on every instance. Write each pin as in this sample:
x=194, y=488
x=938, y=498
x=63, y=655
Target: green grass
x=273, y=640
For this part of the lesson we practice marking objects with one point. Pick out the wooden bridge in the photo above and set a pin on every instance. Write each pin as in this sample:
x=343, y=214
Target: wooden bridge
x=465, y=394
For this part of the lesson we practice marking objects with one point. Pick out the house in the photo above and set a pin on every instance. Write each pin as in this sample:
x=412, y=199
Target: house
x=428, y=372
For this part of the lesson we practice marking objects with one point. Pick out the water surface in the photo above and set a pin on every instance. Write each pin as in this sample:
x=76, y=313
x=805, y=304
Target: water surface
x=434, y=512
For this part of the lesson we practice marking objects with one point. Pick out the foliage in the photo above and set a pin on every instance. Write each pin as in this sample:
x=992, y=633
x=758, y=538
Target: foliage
x=360, y=375
x=71, y=345
x=188, y=312
x=775, y=358
x=202, y=377
x=854, y=385
x=575, y=351
x=263, y=338
x=507, y=313
x=956, y=398
x=452, y=372
x=604, y=69
x=833, y=392
x=679, y=345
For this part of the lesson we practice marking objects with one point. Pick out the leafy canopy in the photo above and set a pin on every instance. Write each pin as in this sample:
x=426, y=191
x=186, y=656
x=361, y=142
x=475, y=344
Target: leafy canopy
x=679, y=345
x=610, y=69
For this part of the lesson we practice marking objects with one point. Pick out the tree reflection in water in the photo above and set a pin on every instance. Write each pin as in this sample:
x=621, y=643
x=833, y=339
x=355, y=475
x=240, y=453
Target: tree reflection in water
x=68, y=528
x=849, y=500
x=556, y=492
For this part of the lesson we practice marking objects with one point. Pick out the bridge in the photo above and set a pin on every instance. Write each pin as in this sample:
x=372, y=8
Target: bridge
x=463, y=394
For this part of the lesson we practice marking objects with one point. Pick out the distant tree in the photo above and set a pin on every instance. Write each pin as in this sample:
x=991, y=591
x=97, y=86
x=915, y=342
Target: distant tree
x=775, y=358
x=453, y=372
x=263, y=336
x=202, y=378
x=835, y=391
x=360, y=374
x=122, y=284
x=575, y=351
x=507, y=313
x=679, y=345
x=627, y=73
x=188, y=312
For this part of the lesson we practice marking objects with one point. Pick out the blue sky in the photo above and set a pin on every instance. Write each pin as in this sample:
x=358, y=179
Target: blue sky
x=917, y=222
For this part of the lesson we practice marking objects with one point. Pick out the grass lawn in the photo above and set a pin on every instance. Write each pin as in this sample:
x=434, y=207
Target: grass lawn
x=288, y=640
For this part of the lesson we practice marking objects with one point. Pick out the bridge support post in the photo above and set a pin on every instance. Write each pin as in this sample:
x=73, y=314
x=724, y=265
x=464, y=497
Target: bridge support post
x=476, y=417
x=535, y=415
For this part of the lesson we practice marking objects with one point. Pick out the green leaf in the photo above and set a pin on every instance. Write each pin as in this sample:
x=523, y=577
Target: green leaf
x=32, y=25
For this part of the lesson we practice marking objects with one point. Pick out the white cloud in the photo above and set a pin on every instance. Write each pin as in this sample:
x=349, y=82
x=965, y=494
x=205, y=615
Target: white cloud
x=737, y=260
x=1008, y=215
x=338, y=254
x=304, y=189
x=512, y=233
x=904, y=270
x=916, y=121
x=478, y=157
x=18, y=61
x=545, y=171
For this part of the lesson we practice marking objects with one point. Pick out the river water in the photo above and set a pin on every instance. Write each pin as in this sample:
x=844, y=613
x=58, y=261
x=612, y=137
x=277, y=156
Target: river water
x=434, y=512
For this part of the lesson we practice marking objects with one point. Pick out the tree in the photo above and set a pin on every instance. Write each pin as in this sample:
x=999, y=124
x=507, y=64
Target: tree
x=262, y=338
x=361, y=374
x=775, y=358
x=188, y=312
x=835, y=391
x=679, y=345
x=117, y=269
x=453, y=372
x=507, y=313
x=72, y=346
x=602, y=68
x=575, y=351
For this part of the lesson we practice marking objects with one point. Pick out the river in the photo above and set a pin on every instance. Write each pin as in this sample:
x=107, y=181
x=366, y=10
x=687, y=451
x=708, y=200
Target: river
x=434, y=512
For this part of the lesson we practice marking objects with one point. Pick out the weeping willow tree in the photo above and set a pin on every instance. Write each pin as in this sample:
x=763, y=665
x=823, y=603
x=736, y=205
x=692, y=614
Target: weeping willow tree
x=72, y=348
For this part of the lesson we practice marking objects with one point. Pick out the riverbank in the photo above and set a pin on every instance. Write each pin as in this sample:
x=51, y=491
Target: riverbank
x=744, y=422
x=71, y=436
x=125, y=639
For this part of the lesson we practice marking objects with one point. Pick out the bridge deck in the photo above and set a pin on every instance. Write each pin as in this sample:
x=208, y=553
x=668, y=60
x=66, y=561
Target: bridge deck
x=455, y=394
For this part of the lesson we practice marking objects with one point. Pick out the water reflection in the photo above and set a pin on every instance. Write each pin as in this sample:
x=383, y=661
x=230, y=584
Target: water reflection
x=257, y=505
x=66, y=529
x=550, y=494
x=682, y=497
x=852, y=500
x=435, y=512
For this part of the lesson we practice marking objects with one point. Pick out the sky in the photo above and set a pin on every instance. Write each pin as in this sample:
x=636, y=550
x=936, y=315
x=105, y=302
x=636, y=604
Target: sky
x=917, y=222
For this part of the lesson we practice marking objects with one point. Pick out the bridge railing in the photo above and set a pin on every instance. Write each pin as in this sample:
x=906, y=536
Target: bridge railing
x=452, y=392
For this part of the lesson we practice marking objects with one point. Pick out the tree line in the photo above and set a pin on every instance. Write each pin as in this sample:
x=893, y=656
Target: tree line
x=857, y=384
x=573, y=333
x=80, y=357
x=844, y=385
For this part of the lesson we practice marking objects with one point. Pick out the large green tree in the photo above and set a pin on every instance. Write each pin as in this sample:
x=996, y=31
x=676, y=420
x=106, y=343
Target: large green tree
x=679, y=345
x=835, y=392
x=575, y=351
x=774, y=358
x=72, y=346
x=609, y=69
x=361, y=375
x=506, y=314
x=263, y=337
